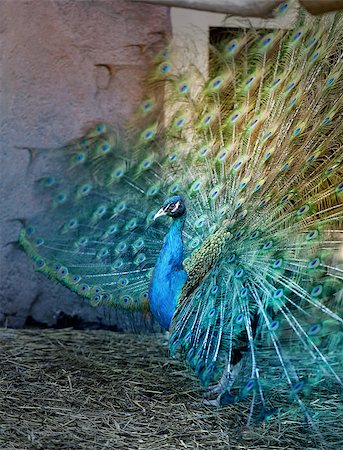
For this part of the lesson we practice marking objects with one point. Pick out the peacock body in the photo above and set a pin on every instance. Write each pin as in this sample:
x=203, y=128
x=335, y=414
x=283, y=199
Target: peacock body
x=248, y=165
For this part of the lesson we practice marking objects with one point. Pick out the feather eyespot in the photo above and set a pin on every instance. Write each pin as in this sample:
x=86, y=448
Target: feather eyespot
x=239, y=273
x=212, y=312
x=314, y=263
x=231, y=258
x=278, y=293
x=244, y=292
x=314, y=329
x=63, y=271
x=217, y=83
x=283, y=7
x=277, y=264
x=101, y=128
x=298, y=387
x=165, y=68
x=250, y=385
x=316, y=291
x=267, y=245
x=240, y=318
x=184, y=88
x=314, y=56
x=274, y=325
x=297, y=36
x=231, y=47
x=30, y=230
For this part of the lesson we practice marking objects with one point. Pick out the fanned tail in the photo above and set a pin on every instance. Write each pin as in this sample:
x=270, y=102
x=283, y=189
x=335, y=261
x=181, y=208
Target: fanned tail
x=265, y=135
x=256, y=151
x=95, y=235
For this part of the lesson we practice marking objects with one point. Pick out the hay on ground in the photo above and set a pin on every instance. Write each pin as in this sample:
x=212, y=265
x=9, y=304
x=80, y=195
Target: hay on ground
x=67, y=389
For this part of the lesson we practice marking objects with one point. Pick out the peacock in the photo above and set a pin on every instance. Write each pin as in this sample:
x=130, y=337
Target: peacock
x=218, y=210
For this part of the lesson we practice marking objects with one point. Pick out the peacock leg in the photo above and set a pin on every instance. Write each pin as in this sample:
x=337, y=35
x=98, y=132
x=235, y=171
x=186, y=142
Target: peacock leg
x=227, y=380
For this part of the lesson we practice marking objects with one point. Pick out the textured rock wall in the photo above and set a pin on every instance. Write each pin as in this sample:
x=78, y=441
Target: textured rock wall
x=63, y=64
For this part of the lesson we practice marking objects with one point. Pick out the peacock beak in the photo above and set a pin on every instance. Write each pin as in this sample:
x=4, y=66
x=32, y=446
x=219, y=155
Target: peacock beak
x=160, y=212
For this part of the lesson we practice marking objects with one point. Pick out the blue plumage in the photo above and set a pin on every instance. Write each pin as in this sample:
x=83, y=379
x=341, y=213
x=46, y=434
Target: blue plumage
x=169, y=277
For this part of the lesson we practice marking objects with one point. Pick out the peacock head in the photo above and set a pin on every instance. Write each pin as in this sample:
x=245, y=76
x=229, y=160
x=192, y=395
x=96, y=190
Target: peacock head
x=173, y=207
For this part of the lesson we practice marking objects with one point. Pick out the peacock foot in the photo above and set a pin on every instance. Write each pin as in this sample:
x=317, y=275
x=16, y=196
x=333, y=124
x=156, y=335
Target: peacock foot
x=222, y=388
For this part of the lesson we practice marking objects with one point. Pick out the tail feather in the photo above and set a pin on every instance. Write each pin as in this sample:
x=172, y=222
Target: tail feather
x=268, y=139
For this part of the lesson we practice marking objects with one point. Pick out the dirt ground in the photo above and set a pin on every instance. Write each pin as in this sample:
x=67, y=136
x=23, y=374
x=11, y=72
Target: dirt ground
x=67, y=389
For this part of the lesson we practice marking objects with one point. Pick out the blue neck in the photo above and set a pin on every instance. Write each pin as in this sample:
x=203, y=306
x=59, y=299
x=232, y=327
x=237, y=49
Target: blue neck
x=168, y=276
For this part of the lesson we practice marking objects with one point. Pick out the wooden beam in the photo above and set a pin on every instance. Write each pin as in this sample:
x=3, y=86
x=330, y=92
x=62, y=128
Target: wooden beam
x=321, y=6
x=248, y=8
x=244, y=8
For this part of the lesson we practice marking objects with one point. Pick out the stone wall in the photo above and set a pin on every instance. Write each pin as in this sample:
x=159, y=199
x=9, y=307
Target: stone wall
x=63, y=64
